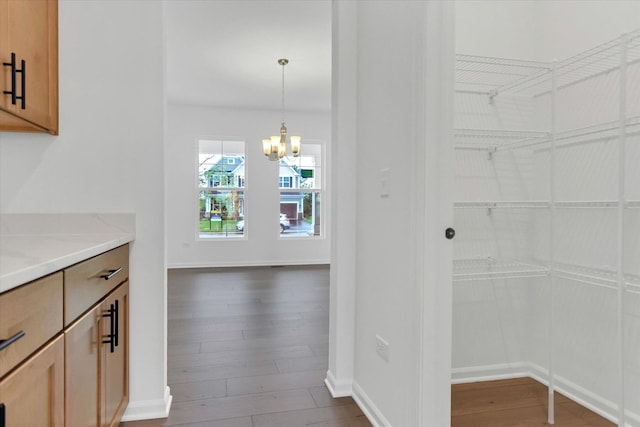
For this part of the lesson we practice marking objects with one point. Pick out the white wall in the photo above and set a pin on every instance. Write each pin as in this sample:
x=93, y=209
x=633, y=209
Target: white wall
x=568, y=27
x=343, y=242
x=538, y=29
x=263, y=244
x=397, y=116
x=108, y=158
x=504, y=29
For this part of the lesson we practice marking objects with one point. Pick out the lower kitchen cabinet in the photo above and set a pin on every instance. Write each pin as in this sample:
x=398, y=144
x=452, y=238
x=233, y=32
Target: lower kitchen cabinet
x=115, y=378
x=97, y=345
x=32, y=395
x=82, y=348
x=64, y=346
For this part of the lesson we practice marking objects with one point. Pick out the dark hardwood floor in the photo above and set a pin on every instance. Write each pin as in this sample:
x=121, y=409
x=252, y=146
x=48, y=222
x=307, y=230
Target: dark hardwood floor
x=248, y=347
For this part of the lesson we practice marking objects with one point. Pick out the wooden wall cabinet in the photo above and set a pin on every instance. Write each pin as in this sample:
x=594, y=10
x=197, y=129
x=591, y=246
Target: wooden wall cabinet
x=29, y=75
x=80, y=374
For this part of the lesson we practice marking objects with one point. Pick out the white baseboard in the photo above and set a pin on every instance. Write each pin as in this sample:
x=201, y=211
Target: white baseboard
x=149, y=409
x=584, y=397
x=264, y=263
x=338, y=388
x=369, y=409
x=351, y=388
x=490, y=372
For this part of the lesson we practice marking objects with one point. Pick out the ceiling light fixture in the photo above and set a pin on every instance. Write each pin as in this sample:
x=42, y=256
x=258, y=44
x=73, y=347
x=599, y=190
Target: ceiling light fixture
x=275, y=148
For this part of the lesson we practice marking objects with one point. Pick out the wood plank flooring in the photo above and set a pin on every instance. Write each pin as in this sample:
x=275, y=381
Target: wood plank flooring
x=519, y=402
x=249, y=348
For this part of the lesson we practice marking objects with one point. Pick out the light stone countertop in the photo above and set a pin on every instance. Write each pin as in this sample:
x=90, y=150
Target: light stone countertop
x=35, y=245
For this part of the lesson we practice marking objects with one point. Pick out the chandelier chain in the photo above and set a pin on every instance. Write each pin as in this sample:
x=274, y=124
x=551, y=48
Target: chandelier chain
x=283, y=64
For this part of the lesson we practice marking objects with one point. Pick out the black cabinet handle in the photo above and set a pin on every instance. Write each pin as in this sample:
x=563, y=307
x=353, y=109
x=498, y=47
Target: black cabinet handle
x=2, y=415
x=23, y=84
x=12, y=64
x=117, y=322
x=110, y=339
x=6, y=343
x=111, y=273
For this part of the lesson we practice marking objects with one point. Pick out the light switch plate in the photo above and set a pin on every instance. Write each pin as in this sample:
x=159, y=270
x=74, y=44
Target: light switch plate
x=382, y=348
x=385, y=174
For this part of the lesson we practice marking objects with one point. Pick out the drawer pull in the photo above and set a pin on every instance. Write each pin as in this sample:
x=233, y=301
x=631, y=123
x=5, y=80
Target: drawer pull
x=6, y=343
x=2, y=415
x=111, y=273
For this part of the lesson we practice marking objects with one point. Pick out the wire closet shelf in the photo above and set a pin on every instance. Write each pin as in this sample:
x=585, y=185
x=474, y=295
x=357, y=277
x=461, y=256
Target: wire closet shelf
x=493, y=77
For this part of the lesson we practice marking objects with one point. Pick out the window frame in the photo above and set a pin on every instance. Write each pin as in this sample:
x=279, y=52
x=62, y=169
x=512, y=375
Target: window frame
x=319, y=188
x=218, y=187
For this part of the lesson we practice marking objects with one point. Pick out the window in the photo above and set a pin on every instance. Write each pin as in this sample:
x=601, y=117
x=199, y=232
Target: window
x=286, y=182
x=221, y=189
x=300, y=183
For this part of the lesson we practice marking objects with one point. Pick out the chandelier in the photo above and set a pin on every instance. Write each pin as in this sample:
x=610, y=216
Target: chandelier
x=275, y=148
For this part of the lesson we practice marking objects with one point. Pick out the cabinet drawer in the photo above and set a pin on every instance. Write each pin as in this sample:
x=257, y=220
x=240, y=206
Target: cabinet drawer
x=35, y=310
x=89, y=281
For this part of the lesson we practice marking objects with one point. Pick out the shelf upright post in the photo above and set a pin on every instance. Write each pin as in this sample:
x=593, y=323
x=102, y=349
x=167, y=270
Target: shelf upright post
x=620, y=221
x=552, y=228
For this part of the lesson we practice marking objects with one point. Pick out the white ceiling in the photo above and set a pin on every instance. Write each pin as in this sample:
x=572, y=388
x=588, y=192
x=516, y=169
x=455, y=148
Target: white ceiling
x=224, y=53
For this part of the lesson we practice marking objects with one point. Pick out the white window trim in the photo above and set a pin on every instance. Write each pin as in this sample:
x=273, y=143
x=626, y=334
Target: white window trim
x=198, y=189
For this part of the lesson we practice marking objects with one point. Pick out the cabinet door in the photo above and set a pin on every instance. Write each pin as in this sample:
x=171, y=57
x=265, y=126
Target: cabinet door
x=29, y=29
x=83, y=345
x=116, y=367
x=32, y=395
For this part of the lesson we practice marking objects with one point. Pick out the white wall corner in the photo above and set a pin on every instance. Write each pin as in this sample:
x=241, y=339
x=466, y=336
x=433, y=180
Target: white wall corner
x=368, y=407
x=149, y=409
x=343, y=200
x=338, y=388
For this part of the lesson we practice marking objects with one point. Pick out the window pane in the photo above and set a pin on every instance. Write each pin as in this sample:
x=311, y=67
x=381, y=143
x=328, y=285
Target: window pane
x=221, y=183
x=304, y=171
x=300, y=213
x=221, y=213
x=221, y=164
x=300, y=183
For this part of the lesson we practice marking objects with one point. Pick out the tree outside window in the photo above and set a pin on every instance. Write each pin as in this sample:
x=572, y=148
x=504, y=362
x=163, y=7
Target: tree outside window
x=221, y=189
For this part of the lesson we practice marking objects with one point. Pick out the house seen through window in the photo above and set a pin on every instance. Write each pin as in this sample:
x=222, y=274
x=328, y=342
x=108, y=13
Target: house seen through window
x=300, y=183
x=221, y=188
